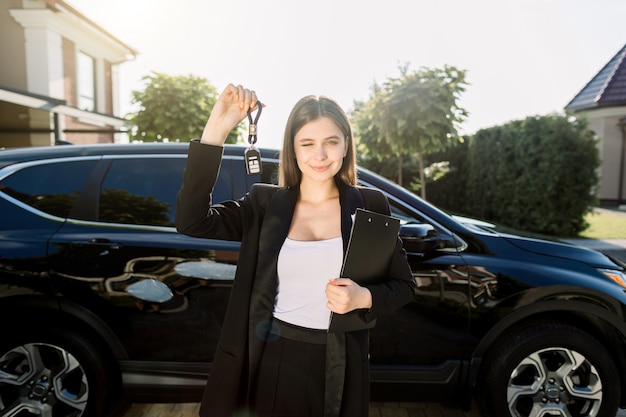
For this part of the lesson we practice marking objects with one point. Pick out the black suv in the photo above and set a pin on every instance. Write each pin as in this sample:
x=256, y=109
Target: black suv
x=101, y=298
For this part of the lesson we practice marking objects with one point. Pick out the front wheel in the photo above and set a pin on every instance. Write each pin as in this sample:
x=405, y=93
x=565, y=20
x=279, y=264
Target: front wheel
x=51, y=373
x=549, y=369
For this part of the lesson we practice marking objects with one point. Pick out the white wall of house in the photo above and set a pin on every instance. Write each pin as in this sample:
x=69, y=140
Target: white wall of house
x=50, y=31
x=605, y=123
x=44, y=29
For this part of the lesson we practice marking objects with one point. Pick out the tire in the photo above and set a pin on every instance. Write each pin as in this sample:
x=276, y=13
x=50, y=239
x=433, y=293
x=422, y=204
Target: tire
x=52, y=372
x=549, y=369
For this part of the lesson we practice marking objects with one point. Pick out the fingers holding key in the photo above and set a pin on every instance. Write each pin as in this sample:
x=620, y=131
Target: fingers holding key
x=247, y=98
x=230, y=109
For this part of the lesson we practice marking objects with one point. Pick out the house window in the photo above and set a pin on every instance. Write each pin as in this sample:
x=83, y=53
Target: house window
x=86, y=82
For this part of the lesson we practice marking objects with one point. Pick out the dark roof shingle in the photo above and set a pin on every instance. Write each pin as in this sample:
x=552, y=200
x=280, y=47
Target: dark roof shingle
x=606, y=89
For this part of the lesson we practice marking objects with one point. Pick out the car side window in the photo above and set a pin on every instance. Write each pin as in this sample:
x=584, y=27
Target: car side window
x=241, y=181
x=270, y=173
x=143, y=190
x=51, y=187
x=404, y=215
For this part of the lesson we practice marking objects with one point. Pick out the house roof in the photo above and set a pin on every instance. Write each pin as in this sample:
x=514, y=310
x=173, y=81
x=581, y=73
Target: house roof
x=606, y=89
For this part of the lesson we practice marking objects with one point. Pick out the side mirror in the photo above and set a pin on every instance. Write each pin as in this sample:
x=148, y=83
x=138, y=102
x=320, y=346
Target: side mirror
x=419, y=238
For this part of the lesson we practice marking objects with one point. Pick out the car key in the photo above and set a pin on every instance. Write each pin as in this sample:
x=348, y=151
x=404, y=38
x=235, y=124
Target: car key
x=253, y=161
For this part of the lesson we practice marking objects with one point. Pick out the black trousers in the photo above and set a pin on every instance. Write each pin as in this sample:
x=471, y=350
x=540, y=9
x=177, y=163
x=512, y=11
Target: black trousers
x=291, y=377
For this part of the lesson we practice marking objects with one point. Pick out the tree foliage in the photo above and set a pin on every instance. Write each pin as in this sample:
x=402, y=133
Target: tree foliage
x=173, y=108
x=414, y=114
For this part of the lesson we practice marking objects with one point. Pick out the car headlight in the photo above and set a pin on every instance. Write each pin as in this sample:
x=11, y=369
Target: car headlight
x=617, y=276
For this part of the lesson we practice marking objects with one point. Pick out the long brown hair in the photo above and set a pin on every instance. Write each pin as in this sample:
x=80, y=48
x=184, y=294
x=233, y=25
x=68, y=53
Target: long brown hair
x=306, y=110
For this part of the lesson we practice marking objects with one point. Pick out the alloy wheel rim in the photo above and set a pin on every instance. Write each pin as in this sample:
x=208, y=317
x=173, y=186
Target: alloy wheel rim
x=554, y=382
x=36, y=378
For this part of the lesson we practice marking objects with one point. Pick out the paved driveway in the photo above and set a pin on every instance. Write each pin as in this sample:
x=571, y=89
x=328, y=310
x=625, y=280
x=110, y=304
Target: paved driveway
x=376, y=410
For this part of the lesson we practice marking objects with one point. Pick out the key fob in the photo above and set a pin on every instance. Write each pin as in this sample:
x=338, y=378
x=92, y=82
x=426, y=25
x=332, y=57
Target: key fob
x=253, y=161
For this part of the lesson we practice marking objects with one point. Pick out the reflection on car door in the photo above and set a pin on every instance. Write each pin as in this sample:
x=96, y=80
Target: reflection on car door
x=130, y=266
x=416, y=342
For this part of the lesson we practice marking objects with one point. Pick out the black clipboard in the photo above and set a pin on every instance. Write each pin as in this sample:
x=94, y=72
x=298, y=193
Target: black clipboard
x=371, y=246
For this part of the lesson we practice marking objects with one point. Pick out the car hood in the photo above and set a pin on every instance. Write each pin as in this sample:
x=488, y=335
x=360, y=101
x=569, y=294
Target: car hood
x=541, y=244
x=561, y=250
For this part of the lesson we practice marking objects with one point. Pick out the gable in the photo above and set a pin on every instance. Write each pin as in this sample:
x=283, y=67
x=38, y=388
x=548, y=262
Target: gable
x=606, y=89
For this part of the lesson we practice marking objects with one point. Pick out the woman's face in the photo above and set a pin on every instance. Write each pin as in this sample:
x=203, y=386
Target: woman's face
x=320, y=147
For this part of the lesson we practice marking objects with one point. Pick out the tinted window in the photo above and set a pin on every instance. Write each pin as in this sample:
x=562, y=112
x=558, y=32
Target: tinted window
x=270, y=173
x=51, y=188
x=403, y=214
x=143, y=190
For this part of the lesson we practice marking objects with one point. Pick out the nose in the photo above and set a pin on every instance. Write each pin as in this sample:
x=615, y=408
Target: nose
x=320, y=152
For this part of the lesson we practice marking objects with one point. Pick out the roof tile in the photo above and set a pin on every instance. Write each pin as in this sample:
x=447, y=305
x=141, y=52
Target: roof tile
x=606, y=89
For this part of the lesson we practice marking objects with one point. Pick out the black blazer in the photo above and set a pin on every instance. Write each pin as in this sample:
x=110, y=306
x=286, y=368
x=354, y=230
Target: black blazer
x=260, y=221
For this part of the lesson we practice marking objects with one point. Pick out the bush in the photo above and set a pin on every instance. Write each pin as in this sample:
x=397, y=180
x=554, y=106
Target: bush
x=537, y=174
x=449, y=192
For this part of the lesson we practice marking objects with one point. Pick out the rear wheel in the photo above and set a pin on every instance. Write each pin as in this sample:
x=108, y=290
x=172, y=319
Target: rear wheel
x=52, y=373
x=550, y=369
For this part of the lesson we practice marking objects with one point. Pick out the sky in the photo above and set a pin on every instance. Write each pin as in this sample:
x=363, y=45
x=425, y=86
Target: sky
x=522, y=57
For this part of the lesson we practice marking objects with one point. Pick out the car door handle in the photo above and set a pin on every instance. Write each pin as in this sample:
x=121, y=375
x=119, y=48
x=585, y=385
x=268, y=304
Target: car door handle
x=104, y=245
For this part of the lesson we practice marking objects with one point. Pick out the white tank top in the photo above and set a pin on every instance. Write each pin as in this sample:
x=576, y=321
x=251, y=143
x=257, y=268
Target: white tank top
x=304, y=268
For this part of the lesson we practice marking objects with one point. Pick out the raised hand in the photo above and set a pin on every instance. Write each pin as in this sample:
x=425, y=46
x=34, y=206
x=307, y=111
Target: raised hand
x=231, y=108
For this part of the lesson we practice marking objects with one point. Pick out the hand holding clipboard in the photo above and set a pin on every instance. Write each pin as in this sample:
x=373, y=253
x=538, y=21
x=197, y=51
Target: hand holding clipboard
x=370, y=249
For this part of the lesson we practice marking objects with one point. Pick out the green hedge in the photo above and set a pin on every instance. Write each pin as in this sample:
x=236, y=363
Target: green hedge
x=537, y=175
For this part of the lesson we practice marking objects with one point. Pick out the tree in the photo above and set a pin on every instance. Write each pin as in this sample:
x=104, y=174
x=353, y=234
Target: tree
x=173, y=108
x=416, y=113
x=372, y=150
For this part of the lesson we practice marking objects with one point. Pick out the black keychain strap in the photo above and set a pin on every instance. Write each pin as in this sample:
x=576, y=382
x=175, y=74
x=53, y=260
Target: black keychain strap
x=252, y=136
x=252, y=155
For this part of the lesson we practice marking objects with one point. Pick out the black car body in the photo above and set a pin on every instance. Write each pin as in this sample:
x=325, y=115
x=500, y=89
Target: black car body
x=100, y=298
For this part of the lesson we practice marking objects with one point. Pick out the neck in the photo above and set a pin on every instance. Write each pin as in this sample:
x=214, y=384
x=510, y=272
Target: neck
x=317, y=192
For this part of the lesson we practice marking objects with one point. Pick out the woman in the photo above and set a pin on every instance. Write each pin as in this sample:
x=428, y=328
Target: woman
x=275, y=356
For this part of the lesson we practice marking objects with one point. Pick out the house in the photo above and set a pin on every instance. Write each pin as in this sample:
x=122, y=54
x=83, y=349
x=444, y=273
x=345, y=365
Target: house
x=603, y=103
x=59, y=76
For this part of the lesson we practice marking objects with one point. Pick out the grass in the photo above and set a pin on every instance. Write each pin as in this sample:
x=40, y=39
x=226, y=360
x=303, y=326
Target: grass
x=605, y=225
